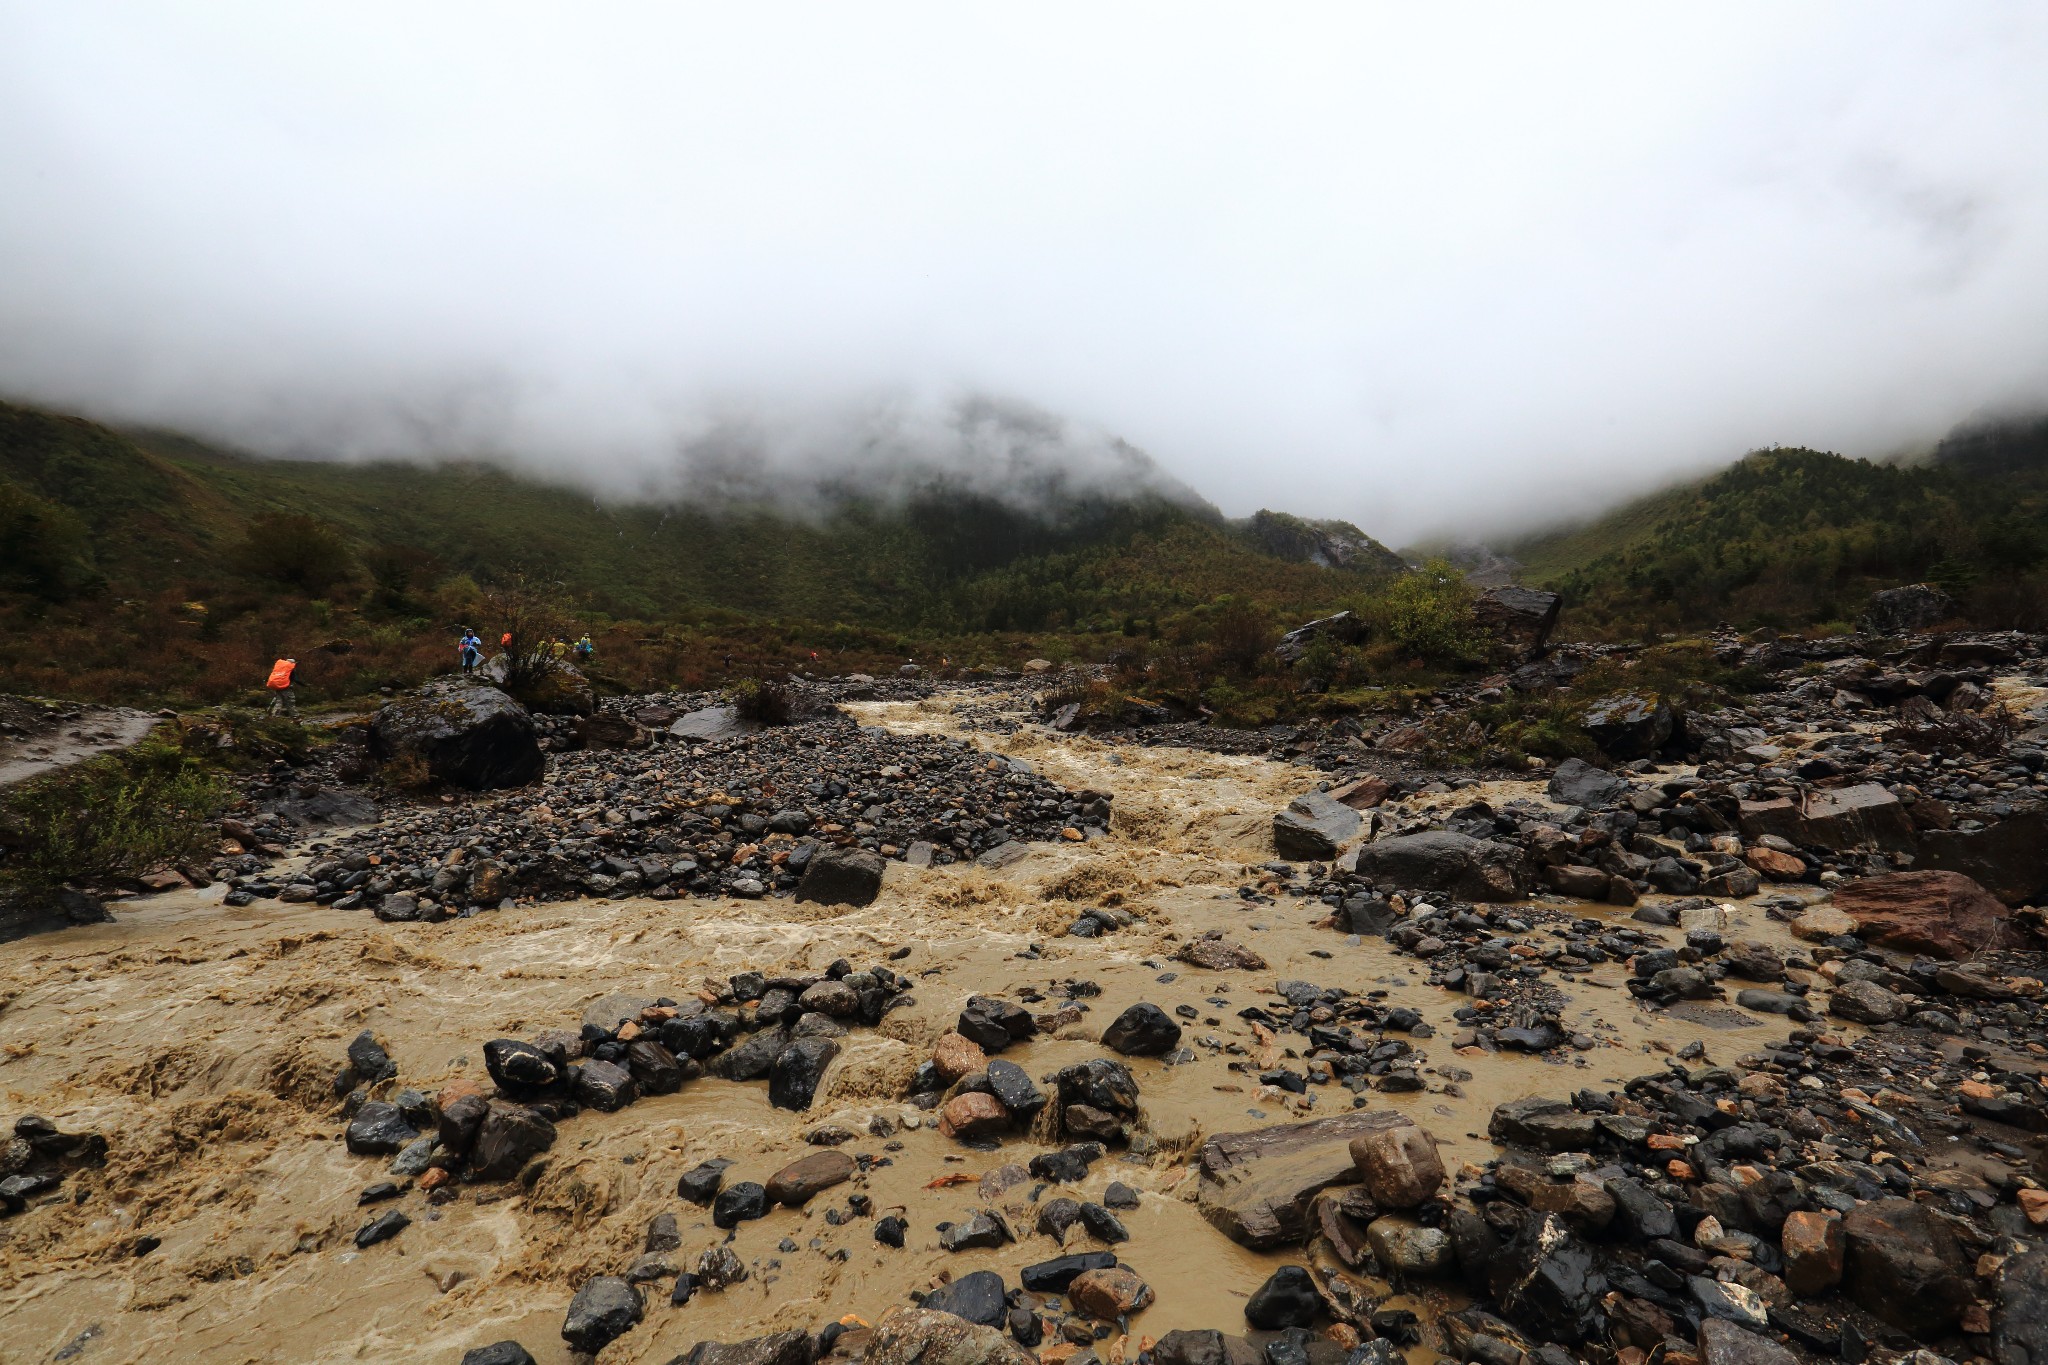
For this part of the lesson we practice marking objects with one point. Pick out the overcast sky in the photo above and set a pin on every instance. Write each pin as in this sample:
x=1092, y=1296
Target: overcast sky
x=1413, y=265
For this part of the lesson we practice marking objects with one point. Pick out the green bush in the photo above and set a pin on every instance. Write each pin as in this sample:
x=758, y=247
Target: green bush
x=108, y=820
x=42, y=546
x=1426, y=615
x=763, y=702
x=302, y=551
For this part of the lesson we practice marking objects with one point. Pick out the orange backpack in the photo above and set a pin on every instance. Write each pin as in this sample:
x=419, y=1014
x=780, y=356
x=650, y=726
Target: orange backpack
x=281, y=675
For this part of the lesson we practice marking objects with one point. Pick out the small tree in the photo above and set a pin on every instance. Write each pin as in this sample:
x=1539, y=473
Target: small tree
x=302, y=551
x=529, y=610
x=1427, y=615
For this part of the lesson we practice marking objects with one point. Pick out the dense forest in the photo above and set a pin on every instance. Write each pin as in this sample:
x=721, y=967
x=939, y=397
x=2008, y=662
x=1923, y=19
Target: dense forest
x=1793, y=537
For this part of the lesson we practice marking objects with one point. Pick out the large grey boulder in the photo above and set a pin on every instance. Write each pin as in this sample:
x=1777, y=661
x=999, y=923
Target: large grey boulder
x=1578, y=783
x=1256, y=1187
x=1630, y=726
x=1312, y=827
x=466, y=734
x=842, y=876
x=1345, y=628
x=1520, y=618
x=1444, y=860
x=1900, y=611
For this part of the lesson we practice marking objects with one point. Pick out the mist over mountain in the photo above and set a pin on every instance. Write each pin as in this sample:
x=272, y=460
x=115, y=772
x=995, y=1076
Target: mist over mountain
x=1408, y=270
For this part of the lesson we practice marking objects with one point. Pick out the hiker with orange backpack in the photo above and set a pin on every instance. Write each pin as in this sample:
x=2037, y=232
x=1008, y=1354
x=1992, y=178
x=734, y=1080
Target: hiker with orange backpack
x=280, y=685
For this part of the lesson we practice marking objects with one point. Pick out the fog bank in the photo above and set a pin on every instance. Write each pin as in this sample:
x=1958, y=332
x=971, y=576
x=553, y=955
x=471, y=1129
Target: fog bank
x=1418, y=269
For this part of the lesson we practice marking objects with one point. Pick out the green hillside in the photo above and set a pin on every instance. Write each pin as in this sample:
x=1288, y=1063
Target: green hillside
x=153, y=535
x=1794, y=537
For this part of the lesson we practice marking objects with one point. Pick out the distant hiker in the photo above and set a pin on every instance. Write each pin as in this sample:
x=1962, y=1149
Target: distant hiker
x=280, y=685
x=471, y=650
x=585, y=650
x=505, y=642
x=728, y=663
x=559, y=648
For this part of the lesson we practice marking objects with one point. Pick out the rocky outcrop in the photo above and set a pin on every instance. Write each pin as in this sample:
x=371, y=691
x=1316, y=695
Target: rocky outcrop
x=1629, y=726
x=1904, y=611
x=1944, y=914
x=1313, y=826
x=1256, y=1187
x=1344, y=628
x=464, y=733
x=2008, y=857
x=1520, y=618
x=1443, y=860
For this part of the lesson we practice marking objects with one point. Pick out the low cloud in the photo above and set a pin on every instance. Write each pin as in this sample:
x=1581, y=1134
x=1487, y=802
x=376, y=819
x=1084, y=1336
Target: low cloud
x=1416, y=269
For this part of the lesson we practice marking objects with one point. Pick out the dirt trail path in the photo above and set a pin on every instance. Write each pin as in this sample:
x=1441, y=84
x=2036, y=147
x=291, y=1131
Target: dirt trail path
x=46, y=747
x=203, y=1040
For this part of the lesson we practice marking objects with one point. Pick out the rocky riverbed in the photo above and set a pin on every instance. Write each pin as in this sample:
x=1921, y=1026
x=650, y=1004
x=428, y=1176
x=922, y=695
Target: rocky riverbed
x=1090, y=1045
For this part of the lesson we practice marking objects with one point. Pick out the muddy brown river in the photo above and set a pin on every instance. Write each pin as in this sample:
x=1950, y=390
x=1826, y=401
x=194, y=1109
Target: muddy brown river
x=202, y=1041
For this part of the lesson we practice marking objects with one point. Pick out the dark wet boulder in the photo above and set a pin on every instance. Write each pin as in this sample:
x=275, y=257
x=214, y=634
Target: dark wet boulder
x=701, y=1182
x=382, y=1228
x=1901, y=1263
x=793, y=1080
x=778, y=1348
x=1546, y=1124
x=604, y=1086
x=1012, y=1085
x=368, y=1062
x=2008, y=858
x=1143, y=1030
x=1182, y=1347
x=458, y=1122
x=978, y=1297
x=379, y=1128
x=1629, y=726
x=1288, y=1298
x=1444, y=860
x=1578, y=783
x=655, y=1069
x=992, y=1023
x=604, y=1309
x=498, y=1353
x=509, y=1136
x=842, y=876
x=464, y=733
x=1545, y=1282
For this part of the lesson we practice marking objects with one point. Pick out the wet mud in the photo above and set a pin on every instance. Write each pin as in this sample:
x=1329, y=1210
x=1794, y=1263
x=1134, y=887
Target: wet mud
x=202, y=1041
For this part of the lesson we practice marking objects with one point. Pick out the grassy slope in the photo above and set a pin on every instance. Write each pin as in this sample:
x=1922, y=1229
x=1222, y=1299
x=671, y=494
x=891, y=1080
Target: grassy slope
x=1794, y=537
x=167, y=510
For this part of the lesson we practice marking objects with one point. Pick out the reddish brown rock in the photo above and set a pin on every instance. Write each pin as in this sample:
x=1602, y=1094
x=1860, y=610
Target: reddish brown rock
x=955, y=1056
x=973, y=1114
x=1779, y=867
x=1944, y=914
x=1363, y=794
x=1399, y=1167
x=797, y=1182
x=1107, y=1295
x=1812, y=1243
